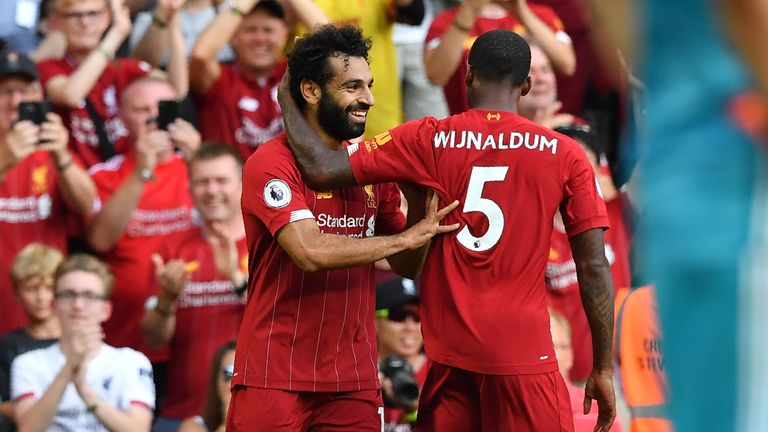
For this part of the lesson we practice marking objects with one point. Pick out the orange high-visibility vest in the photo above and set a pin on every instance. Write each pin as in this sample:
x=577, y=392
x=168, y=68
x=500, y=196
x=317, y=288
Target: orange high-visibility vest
x=640, y=357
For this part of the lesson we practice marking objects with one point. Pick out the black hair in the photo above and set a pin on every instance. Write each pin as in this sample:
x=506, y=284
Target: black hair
x=584, y=134
x=500, y=55
x=270, y=7
x=310, y=57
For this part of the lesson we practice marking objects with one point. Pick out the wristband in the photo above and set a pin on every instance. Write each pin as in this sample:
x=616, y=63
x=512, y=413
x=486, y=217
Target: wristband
x=165, y=313
x=161, y=23
x=105, y=53
x=63, y=166
x=460, y=26
x=237, y=11
x=409, y=418
x=240, y=290
x=93, y=407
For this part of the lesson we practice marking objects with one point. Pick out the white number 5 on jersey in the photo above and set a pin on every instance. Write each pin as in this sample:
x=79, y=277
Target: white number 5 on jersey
x=475, y=202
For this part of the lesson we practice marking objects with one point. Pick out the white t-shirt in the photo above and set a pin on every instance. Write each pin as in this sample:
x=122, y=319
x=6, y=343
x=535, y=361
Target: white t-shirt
x=121, y=376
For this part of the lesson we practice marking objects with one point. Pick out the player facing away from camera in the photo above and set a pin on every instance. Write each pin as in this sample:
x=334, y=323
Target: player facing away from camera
x=484, y=312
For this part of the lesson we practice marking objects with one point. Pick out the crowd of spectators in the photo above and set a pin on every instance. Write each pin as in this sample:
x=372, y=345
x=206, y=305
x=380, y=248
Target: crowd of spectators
x=124, y=125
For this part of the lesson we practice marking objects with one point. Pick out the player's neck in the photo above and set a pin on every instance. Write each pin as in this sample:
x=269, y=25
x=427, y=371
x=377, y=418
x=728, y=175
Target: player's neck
x=496, y=98
x=330, y=142
x=235, y=226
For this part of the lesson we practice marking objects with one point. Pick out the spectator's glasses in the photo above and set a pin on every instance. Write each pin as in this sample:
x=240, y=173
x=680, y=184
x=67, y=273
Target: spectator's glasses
x=90, y=15
x=227, y=372
x=29, y=90
x=400, y=313
x=70, y=296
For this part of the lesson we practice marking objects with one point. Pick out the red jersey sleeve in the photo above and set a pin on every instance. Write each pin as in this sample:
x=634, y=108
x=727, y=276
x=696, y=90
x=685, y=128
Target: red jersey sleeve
x=275, y=191
x=390, y=220
x=402, y=154
x=582, y=207
x=438, y=27
x=51, y=68
x=223, y=84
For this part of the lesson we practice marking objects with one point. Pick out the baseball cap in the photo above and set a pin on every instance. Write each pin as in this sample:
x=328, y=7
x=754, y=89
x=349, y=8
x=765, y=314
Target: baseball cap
x=396, y=292
x=15, y=63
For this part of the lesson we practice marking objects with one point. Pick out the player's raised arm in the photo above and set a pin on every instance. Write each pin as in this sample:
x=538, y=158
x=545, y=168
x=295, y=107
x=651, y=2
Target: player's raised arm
x=596, y=289
x=323, y=168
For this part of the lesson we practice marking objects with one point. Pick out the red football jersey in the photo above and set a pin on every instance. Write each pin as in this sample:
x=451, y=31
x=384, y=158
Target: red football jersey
x=240, y=112
x=208, y=316
x=306, y=331
x=105, y=97
x=483, y=298
x=164, y=209
x=31, y=210
x=455, y=90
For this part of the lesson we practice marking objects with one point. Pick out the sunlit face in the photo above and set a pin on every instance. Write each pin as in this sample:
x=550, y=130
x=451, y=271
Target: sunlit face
x=346, y=99
x=13, y=91
x=36, y=297
x=83, y=23
x=563, y=349
x=216, y=188
x=80, y=300
x=400, y=332
x=259, y=41
x=139, y=105
x=543, y=83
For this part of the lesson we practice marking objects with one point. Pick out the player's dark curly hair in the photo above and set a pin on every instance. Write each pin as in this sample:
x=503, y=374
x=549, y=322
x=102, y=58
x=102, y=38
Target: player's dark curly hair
x=310, y=57
x=500, y=55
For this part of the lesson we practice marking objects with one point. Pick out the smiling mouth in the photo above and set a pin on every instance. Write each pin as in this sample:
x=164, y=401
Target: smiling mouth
x=359, y=114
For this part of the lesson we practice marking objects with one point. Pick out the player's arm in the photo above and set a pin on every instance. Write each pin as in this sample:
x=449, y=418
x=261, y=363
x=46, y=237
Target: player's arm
x=313, y=250
x=596, y=289
x=308, y=13
x=70, y=90
x=747, y=23
x=321, y=167
x=409, y=263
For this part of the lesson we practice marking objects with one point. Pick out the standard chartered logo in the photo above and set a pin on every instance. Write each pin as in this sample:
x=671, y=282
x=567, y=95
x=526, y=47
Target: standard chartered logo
x=348, y=222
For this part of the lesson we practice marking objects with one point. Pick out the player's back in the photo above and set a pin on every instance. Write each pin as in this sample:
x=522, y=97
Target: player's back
x=483, y=291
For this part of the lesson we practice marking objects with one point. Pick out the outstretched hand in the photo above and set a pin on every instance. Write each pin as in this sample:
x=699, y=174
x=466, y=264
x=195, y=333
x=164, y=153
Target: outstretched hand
x=419, y=234
x=600, y=388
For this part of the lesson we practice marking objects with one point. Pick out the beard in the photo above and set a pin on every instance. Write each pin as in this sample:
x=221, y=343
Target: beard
x=335, y=120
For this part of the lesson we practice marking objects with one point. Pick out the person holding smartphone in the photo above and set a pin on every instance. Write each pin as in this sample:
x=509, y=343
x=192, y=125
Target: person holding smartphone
x=41, y=184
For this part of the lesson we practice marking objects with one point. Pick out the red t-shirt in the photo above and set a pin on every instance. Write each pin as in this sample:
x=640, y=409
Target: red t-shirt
x=208, y=315
x=455, y=90
x=31, y=210
x=483, y=299
x=164, y=209
x=105, y=97
x=305, y=331
x=240, y=112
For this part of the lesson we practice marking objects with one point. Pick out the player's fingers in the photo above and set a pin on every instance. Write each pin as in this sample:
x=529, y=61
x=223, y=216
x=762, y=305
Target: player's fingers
x=157, y=261
x=587, y=404
x=447, y=209
x=442, y=229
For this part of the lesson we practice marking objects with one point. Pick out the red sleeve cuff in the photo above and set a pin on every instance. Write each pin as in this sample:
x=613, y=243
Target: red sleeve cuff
x=579, y=227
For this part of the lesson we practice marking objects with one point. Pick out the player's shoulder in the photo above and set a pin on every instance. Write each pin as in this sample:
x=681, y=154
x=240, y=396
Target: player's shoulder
x=39, y=356
x=273, y=154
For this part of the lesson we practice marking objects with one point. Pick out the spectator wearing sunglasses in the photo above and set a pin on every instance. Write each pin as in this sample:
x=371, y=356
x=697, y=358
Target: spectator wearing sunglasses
x=81, y=383
x=217, y=396
x=398, y=328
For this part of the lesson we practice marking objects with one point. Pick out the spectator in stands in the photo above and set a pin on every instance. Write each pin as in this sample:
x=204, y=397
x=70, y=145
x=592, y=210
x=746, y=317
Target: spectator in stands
x=86, y=85
x=41, y=184
x=421, y=98
x=198, y=306
x=148, y=41
x=454, y=30
x=81, y=383
x=398, y=330
x=217, y=395
x=18, y=25
x=143, y=201
x=237, y=104
x=561, y=338
x=377, y=18
x=32, y=274
x=541, y=104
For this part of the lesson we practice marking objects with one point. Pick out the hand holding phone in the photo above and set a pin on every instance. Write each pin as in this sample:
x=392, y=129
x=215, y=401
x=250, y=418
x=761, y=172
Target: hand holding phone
x=168, y=112
x=34, y=111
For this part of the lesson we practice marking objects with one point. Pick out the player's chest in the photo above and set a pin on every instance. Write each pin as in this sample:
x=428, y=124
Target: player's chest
x=350, y=211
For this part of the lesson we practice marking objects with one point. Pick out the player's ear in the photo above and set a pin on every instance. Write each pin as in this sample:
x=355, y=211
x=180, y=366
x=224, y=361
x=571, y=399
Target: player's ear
x=526, y=87
x=469, y=78
x=311, y=92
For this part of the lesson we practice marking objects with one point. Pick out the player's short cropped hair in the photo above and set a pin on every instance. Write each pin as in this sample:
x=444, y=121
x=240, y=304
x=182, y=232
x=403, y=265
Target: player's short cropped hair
x=500, y=55
x=272, y=8
x=36, y=259
x=89, y=264
x=310, y=57
x=211, y=150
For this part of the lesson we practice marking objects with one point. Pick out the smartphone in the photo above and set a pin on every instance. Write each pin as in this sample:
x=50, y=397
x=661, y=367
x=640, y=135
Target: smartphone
x=167, y=112
x=34, y=111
